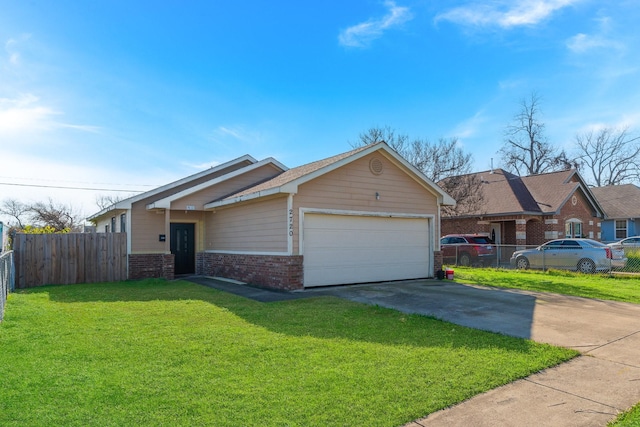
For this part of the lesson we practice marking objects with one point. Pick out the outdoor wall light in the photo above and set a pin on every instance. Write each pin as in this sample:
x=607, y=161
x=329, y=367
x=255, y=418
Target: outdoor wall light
x=377, y=196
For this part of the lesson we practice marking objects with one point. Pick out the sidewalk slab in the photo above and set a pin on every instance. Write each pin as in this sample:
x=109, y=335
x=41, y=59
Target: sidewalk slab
x=583, y=392
x=625, y=350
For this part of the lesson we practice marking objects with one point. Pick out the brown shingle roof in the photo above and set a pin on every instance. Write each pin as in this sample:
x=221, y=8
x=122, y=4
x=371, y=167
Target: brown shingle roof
x=506, y=193
x=551, y=190
x=619, y=201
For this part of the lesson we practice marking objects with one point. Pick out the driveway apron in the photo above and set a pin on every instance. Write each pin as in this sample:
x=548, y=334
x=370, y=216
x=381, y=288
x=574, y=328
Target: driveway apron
x=589, y=390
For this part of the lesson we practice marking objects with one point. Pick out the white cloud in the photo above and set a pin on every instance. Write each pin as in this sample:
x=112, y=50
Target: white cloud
x=505, y=14
x=236, y=134
x=361, y=35
x=582, y=43
x=471, y=126
x=27, y=114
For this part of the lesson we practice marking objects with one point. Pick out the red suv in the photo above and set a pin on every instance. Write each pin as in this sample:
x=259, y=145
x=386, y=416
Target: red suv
x=467, y=249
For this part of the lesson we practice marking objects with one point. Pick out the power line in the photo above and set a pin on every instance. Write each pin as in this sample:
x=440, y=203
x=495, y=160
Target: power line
x=74, y=181
x=69, y=188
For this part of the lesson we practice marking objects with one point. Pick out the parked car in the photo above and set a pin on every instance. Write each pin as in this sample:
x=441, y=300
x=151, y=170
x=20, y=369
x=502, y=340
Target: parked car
x=583, y=255
x=467, y=249
x=628, y=243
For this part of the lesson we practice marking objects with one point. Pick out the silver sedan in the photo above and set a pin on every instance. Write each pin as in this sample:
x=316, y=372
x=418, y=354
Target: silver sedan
x=583, y=255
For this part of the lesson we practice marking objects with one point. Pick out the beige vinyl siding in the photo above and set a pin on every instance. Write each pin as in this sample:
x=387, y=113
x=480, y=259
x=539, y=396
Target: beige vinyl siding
x=106, y=220
x=207, y=195
x=146, y=226
x=353, y=187
x=259, y=226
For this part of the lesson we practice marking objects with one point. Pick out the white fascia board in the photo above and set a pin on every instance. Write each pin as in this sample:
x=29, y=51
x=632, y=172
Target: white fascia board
x=127, y=203
x=166, y=202
x=122, y=205
x=251, y=196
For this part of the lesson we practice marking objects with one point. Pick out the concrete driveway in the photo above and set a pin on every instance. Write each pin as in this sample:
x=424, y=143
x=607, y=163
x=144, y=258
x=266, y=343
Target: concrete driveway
x=587, y=391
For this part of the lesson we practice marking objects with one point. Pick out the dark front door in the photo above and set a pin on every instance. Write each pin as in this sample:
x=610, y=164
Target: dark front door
x=183, y=248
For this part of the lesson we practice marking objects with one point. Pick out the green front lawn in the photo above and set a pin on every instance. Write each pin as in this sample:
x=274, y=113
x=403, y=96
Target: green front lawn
x=618, y=287
x=175, y=353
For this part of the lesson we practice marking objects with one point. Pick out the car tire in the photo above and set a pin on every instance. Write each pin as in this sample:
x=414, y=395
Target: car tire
x=464, y=260
x=522, y=263
x=585, y=265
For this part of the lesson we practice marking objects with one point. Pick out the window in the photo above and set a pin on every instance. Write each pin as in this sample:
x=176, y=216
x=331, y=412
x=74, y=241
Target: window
x=556, y=244
x=113, y=224
x=571, y=244
x=573, y=228
x=106, y=228
x=123, y=223
x=621, y=228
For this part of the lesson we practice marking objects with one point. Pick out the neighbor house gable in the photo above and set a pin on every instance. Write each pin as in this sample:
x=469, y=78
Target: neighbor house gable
x=553, y=190
x=504, y=193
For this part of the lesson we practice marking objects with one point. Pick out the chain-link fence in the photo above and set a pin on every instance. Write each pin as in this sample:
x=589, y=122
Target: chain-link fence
x=577, y=258
x=632, y=264
x=7, y=279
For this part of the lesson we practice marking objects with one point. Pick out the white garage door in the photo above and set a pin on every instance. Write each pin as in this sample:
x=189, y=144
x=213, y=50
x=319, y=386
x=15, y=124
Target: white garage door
x=343, y=249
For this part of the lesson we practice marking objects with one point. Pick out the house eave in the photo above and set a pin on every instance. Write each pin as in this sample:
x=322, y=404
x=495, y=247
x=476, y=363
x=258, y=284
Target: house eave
x=497, y=215
x=245, y=198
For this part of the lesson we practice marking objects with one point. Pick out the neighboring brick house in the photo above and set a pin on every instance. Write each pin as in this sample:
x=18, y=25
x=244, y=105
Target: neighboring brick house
x=361, y=216
x=621, y=204
x=530, y=210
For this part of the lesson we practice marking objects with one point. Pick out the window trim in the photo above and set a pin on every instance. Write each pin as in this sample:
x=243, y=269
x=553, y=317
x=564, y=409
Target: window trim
x=570, y=227
x=616, y=229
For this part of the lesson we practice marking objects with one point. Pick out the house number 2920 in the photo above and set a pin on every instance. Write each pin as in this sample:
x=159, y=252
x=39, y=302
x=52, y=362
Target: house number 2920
x=290, y=222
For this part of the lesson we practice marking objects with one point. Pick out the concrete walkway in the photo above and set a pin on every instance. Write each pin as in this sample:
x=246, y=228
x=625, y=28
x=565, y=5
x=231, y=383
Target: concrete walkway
x=590, y=390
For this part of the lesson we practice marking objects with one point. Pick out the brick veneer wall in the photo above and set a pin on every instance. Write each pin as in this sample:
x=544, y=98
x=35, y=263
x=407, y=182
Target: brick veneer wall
x=144, y=266
x=271, y=271
x=463, y=226
x=437, y=261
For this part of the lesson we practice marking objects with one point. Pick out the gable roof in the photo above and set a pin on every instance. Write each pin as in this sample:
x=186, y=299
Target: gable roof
x=165, y=203
x=506, y=194
x=126, y=203
x=619, y=201
x=288, y=182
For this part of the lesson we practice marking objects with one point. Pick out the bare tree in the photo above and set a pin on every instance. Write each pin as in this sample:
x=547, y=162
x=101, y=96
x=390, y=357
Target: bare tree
x=526, y=150
x=16, y=210
x=105, y=201
x=443, y=162
x=58, y=216
x=609, y=156
x=467, y=191
x=381, y=134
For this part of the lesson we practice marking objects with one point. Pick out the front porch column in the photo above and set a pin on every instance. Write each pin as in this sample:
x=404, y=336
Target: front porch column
x=521, y=233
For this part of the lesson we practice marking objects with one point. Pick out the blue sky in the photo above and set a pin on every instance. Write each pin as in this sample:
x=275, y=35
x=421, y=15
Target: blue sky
x=129, y=95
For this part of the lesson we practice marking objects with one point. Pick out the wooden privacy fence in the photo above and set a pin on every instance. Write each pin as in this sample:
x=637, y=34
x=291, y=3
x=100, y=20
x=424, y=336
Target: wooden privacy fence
x=42, y=259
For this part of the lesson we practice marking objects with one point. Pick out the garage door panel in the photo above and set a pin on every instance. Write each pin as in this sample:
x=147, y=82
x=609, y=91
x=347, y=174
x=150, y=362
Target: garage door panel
x=341, y=249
